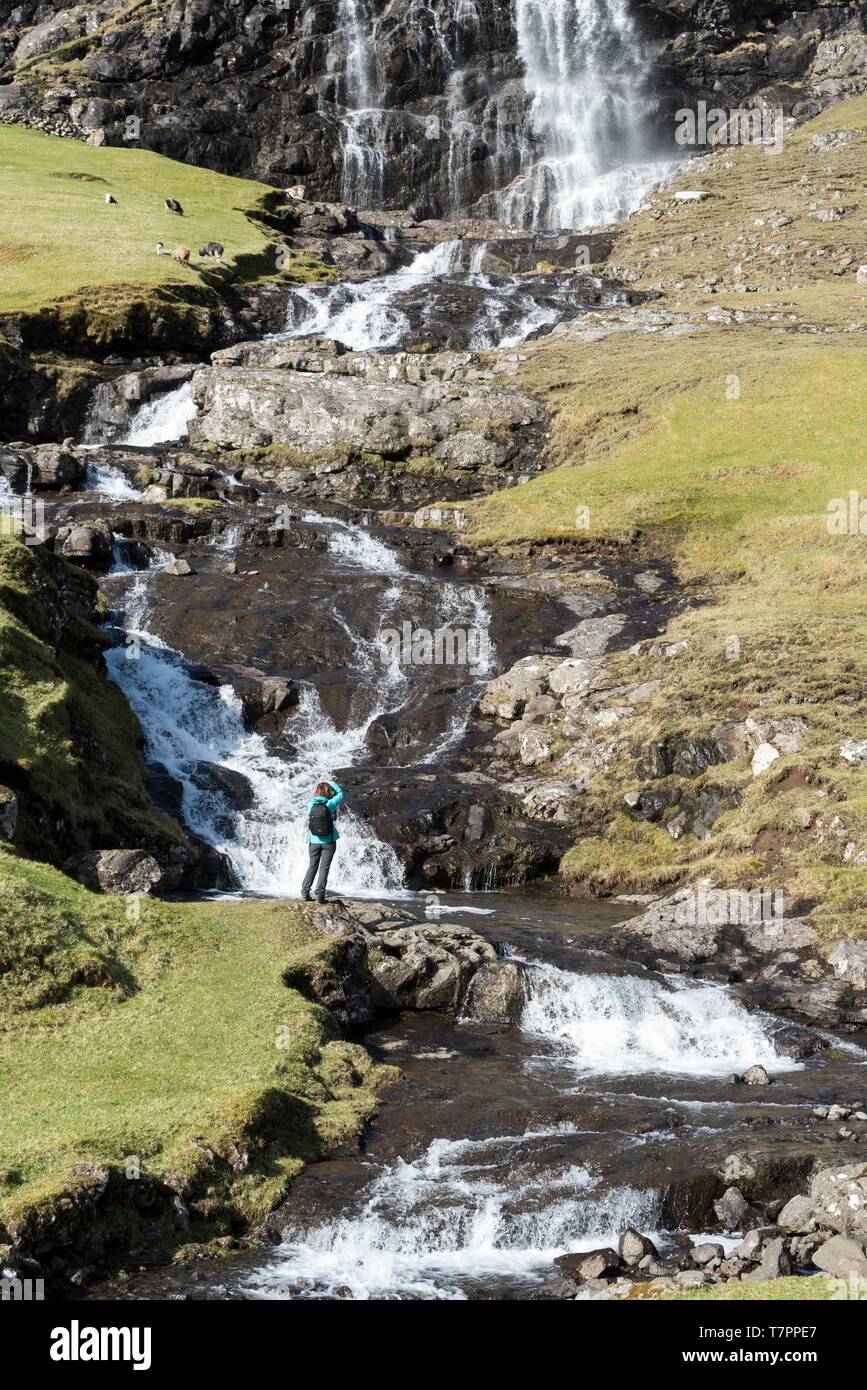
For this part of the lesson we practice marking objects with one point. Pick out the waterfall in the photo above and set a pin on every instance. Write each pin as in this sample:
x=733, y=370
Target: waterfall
x=583, y=153
x=163, y=419
x=191, y=728
x=364, y=316
x=616, y=1024
x=464, y=1212
x=111, y=481
x=566, y=148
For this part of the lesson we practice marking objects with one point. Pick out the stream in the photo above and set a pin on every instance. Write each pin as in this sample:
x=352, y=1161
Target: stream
x=601, y=1108
x=502, y=1147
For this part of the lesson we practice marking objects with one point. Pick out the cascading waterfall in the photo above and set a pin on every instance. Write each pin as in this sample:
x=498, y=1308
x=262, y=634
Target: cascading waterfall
x=111, y=481
x=417, y=301
x=615, y=1024
x=568, y=150
x=163, y=419
x=464, y=1212
x=584, y=158
x=192, y=728
x=364, y=316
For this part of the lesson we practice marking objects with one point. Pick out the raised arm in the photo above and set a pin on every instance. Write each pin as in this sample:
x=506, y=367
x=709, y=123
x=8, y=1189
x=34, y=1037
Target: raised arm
x=334, y=801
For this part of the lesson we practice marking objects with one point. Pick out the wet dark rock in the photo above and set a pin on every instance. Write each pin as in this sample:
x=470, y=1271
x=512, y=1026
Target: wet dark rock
x=497, y=993
x=8, y=813
x=89, y=546
x=225, y=782
x=591, y=1264
x=735, y=1212
x=682, y=755
x=42, y=467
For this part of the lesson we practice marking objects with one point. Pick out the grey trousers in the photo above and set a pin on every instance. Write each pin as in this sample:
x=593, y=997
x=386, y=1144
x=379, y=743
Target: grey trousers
x=320, y=858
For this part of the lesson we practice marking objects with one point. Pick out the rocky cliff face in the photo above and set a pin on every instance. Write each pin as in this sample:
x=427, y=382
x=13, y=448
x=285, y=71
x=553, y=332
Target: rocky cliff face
x=445, y=105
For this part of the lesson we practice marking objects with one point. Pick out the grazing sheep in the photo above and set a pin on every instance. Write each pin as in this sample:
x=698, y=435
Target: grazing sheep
x=181, y=254
x=172, y=205
x=212, y=249
x=160, y=248
x=110, y=198
x=296, y=192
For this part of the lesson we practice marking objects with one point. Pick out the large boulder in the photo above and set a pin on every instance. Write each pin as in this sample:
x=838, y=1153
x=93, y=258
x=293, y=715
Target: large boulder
x=120, y=872
x=508, y=695
x=839, y=1197
x=841, y=1256
x=849, y=963
x=497, y=993
x=89, y=546
x=426, y=967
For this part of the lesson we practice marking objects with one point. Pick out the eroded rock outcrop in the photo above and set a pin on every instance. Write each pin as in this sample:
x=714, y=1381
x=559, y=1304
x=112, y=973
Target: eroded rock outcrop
x=386, y=960
x=326, y=408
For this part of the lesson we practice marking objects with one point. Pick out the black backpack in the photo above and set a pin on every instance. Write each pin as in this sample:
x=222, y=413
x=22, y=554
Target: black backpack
x=320, y=821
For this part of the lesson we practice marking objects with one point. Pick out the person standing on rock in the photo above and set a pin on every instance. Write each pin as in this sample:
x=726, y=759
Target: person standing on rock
x=322, y=837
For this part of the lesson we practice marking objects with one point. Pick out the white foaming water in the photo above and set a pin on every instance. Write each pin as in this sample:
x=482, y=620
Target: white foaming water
x=583, y=155
x=6, y=489
x=466, y=1212
x=110, y=481
x=354, y=546
x=163, y=419
x=570, y=151
x=364, y=316
x=616, y=1024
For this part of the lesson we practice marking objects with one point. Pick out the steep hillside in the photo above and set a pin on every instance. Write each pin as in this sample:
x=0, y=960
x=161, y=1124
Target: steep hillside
x=719, y=431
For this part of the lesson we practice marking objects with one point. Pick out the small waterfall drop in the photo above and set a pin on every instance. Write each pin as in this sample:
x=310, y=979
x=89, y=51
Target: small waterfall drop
x=197, y=733
x=163, y=419
x=466, y=1211
x=616, y=1024
x=109, y=480
x=364, y=316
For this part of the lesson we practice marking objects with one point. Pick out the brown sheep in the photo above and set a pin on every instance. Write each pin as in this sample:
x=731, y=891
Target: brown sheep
x=182, y=255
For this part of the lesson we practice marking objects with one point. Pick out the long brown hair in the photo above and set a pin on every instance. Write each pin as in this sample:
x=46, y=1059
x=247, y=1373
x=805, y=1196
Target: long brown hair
x=323, y=789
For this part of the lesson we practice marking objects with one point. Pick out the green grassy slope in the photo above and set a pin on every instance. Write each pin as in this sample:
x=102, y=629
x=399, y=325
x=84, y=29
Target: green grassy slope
x=720, y=451
x=69, y=743
x=157, y=1034
x=58, y=236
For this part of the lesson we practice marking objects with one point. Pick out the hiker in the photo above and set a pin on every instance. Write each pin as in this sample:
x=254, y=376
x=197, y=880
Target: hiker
x=322, y=837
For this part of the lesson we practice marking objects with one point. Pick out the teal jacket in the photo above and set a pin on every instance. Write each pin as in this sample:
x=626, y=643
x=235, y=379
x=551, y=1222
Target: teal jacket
x=332, y=803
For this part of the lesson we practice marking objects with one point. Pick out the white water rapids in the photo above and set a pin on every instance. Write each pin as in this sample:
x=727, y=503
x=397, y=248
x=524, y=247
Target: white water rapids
x=163, y=419
x=464, y=1212
x=369, y=316
x=616, y=1025
x=472, y=1214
